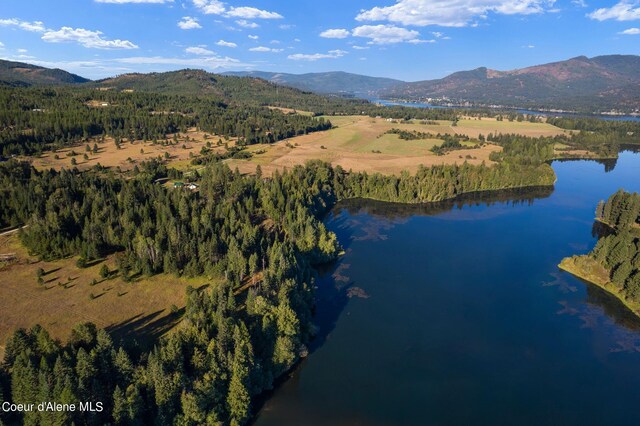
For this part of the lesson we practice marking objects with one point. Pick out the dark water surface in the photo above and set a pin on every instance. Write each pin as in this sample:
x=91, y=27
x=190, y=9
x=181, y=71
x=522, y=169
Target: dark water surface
x=457, y=314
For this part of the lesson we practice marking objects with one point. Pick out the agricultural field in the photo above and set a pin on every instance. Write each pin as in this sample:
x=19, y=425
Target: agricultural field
x=361, y=144
x=144, y=309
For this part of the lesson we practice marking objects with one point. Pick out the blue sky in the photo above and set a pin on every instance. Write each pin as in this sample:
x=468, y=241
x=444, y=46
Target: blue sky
x=405, y=39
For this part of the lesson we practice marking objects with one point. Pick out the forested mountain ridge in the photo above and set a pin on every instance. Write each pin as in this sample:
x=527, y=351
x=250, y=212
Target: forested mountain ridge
x=581, y=83
x=21, y=74
x=336, y=82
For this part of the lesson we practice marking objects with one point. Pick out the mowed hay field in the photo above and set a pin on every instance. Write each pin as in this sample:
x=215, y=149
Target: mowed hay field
x=143, y=309
x=359, y=143
x=131, y=153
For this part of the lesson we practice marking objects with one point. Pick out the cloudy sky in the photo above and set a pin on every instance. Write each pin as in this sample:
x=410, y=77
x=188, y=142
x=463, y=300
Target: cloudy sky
x=405, y=39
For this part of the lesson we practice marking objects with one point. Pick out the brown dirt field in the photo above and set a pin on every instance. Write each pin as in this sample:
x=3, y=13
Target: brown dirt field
x=351, y=143
x=290, y=110
x=109, y=156
x=141, y=309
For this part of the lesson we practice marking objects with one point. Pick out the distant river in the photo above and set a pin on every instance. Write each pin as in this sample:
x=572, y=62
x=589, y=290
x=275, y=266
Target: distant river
x=456, y=314
x=521, y=111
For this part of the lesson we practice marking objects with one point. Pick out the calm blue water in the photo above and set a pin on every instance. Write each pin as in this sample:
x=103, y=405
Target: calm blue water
x=521, y=111
x=457, y=314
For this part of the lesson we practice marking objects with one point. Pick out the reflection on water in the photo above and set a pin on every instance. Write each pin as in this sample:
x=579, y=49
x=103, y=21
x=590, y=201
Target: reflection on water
x=392, y=212
x=456, y=313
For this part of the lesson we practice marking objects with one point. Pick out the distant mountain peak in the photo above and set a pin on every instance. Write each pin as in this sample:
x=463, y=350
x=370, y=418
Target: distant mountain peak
x=326, y=82
x=602, y=82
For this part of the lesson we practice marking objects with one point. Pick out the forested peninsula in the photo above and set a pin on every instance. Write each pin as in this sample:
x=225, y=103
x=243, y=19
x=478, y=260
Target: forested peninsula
x=614, y=263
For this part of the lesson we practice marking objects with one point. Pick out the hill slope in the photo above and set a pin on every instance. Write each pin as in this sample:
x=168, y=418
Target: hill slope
x=21, y=74
x=326, y=82
x=603, y=82
x=225, y=89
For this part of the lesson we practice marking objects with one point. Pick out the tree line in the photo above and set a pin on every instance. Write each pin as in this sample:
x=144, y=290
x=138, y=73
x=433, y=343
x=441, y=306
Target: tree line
x=619, y=252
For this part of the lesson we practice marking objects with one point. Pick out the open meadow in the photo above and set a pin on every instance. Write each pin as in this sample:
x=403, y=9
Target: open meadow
x=361, y=143
x=144, y=309
x=358, y=143
x=178, y=152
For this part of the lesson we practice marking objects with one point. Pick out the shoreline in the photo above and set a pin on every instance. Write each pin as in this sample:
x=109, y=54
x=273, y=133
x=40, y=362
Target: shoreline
x=589, y=270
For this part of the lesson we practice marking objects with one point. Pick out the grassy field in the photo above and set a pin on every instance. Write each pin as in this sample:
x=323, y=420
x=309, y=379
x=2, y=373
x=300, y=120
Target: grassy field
x=473, y=127
x=130, y=153
x=588, y=269
x=360, y=143
x=140, y=309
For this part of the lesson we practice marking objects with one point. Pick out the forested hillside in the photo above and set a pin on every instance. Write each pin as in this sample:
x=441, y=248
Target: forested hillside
x=34, y=119
x=21, y=74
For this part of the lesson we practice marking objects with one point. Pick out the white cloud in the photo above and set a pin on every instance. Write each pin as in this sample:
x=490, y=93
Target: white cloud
x=22, y=50
x=216, y=7
x=253, y=37
x=448, y=13
x=265, y=49
x=35, y=26
x=420, y=41
x=246, y=24
x=86, y=38
x=332, y=54
x=387, y=34
x=622, y=11
x=189, y=23
x=335, y=33
x=356, y=47
x=210, y=7
x=579, y=3
x=212, y=62
x=630, y=31
x=134, y=1
x=198, y=50
x=529, y=46
x=1, y=44
x=286, y=26
x=226, y=44
x=252, y=13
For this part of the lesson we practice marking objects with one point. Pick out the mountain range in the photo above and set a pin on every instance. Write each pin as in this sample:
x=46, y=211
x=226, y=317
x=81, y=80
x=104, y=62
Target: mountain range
x=584, y=84
x=598, y=83
x=336, y=82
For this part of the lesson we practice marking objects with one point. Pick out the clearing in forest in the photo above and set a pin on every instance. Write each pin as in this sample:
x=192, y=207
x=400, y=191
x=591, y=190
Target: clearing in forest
x=145, y=308
x=361, y=143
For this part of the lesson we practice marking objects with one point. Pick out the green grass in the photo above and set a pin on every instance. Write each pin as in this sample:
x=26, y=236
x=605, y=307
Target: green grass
x=590, y=270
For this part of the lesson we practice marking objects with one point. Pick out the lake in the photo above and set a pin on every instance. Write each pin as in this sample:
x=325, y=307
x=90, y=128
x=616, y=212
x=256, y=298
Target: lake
x=456, y=313
x=517, y=110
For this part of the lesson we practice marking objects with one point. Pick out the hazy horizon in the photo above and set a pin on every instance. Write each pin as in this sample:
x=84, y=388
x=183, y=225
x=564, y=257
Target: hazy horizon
x=408, y=40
